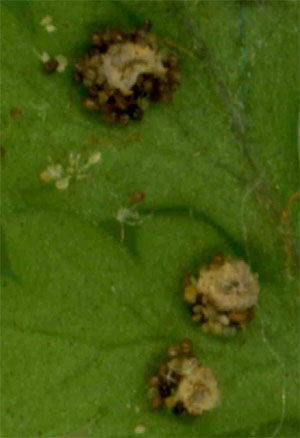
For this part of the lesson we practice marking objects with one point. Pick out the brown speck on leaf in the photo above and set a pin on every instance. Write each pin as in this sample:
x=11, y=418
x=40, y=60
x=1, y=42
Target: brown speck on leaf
x=137, y=196
x=51, y=65
x=15, y=112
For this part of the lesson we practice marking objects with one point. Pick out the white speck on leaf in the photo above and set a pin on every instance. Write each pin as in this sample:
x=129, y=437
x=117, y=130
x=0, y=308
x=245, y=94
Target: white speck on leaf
x=50, y=28
x=128, y=216
x=53, y=172
x=63, y=183
x=62, y=63
x=139, y=429
x=45, y=57
x=47, y=23
x=46, y=20
x=95, y=158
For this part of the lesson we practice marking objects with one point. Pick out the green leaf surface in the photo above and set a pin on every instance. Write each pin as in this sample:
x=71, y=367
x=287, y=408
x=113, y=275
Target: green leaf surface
x=88, y=306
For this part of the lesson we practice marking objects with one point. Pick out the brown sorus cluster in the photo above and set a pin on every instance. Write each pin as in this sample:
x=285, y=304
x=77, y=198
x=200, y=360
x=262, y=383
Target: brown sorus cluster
x=224, y=296
x=181, y=384
x=123, y=70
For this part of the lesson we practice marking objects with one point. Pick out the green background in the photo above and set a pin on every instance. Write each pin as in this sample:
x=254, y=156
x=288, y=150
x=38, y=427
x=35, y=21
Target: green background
x=86, y=317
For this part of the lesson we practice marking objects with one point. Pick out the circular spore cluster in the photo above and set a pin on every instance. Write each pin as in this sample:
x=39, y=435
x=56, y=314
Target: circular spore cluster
x=224, y=296
x=122, y=71
x=182, y=385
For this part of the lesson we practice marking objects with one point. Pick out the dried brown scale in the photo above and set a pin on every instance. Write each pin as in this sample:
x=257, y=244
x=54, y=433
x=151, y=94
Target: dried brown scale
x=122, y=70
x=224, y=296
x=182, y=384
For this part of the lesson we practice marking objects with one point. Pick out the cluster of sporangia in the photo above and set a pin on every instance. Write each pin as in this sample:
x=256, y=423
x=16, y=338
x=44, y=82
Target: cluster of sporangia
x=123, y=70
x=224, y=296
x=223, y=299
x=182, y=384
